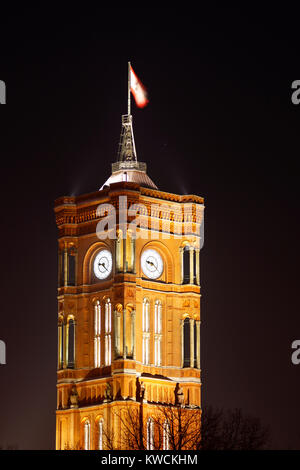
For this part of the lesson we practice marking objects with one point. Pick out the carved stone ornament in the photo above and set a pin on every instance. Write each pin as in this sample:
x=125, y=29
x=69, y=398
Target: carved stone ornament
x=74, y=397
x=179, y=395
x=108, y=392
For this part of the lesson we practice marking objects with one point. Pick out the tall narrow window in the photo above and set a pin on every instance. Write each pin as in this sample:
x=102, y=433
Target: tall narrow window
x=97, y=334
x=150, y=434
x=107, y=324
x=166, y=435
x=157, y=332
x=100, y=441
x=87, y=432
x=71, y=344
x=186, y=265
x=186, y=343
x=146, y=331
x=71, y=270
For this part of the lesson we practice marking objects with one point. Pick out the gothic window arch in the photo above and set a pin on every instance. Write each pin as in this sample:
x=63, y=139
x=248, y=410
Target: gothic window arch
x=190, y=337
x=186, y=265
x=146, y=331
x=186, y=343
x=166, y=435
x=190, y=265
x=87, y=435
x=150, y=434
x=100, y=434
x=70, y=343
x=107, y=327
x=157, y=332
x=97, y=334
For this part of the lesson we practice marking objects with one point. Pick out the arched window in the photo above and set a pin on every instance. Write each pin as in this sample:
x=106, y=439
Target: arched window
x=146, y=330
x=97, y=334
x=146, y=322
x=100, y=436
x=87, y=435
x=70, y=344
x=186, y=343
x=72, y=267
x=157, y=332
x=158, y=317
x=107, y=324
x=186, y=265
x=60, y=343
x=150, y=434
x=166, y=435
x=190, y=265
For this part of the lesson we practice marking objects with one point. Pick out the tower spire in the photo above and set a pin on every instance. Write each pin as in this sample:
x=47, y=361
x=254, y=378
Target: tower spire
x=127, y=153
x=127, y=167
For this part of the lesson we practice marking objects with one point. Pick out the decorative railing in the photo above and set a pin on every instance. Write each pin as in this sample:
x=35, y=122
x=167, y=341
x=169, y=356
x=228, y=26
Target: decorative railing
x=130, y=165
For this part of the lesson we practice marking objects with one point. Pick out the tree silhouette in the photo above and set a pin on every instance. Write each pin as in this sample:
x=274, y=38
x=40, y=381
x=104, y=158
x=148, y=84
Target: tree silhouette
x=231, y=430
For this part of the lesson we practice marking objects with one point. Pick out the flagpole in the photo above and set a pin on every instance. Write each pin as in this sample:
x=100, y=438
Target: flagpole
x=128, y=89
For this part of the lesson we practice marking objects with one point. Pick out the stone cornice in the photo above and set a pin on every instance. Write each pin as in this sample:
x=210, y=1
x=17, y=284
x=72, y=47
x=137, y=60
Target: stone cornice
x=71, y=211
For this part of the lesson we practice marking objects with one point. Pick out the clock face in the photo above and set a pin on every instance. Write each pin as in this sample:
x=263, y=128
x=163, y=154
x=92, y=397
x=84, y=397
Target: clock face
x=103, y=264
x=152, y=264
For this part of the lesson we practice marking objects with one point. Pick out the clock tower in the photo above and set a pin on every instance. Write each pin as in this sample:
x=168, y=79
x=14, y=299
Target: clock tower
x=128, y=306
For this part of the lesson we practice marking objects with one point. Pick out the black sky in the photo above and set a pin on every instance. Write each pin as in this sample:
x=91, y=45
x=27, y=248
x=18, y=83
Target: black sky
x=220, y=124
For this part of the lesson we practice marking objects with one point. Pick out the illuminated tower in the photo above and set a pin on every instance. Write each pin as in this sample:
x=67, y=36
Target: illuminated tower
x=128, y=304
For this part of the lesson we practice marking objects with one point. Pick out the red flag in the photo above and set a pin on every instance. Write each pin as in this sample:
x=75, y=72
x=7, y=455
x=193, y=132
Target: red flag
x=138, y=90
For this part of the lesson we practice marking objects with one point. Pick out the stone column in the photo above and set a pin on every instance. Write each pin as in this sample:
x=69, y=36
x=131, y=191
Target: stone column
x=118, y=254
x=133, y=333
x=65, y=267
x=66, y=346
x=117, y=332
x=60, y=345
x=198, y=343
x=132, y=247
x=124, y=333
x=181, y=265
x=192, y=342
x=74, y=345
x=124, y=251
x=191, y=265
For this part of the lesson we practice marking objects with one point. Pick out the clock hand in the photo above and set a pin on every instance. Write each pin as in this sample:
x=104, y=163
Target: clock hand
x=151, y=264
x=103, y=264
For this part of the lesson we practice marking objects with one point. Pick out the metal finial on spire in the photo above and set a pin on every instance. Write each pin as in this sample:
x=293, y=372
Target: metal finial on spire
x=127, y=164
x=127, y=153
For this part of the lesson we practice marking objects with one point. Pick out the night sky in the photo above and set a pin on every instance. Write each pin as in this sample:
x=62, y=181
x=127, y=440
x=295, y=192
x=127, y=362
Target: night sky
x=220, y=124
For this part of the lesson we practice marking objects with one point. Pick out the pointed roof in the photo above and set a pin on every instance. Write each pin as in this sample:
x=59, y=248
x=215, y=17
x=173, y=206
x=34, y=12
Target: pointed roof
x=127, y=167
